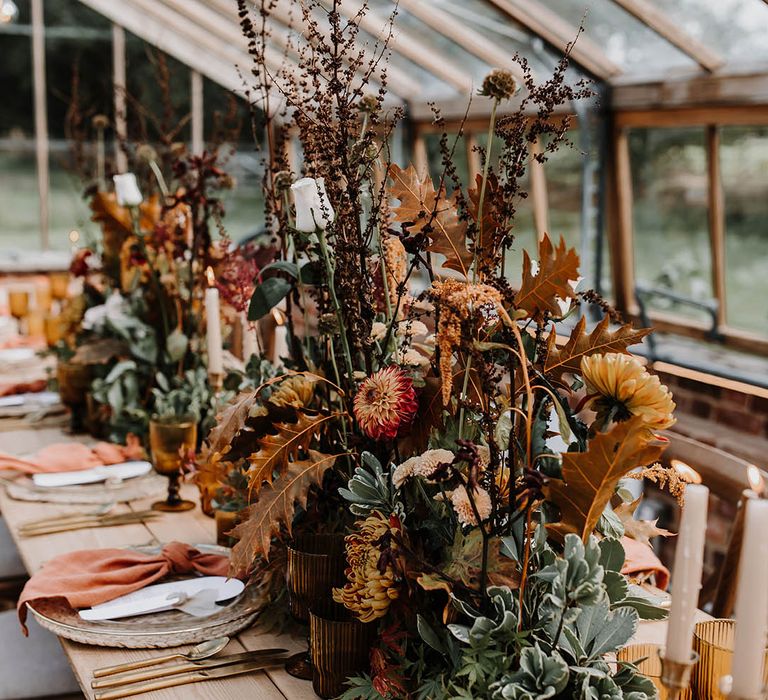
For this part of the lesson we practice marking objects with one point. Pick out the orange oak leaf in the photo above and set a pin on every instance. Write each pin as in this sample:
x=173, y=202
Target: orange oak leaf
x=640, y=530
x=581, y=344
x=590, y=478
x=491, y=225
x=274, y=509
x=556, y=268
x=432, y=213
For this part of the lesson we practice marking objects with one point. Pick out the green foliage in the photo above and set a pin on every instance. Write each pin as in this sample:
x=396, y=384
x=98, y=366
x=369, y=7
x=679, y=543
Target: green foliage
x=266, y=296
x=370, y=488
x=577, y=609
x=181, y=396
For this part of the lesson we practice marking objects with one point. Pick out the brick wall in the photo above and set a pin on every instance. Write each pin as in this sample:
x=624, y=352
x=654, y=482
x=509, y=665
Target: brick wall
x=722, y=414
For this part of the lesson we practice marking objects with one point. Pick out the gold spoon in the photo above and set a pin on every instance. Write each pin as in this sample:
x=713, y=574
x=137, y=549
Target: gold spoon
x=203, y=650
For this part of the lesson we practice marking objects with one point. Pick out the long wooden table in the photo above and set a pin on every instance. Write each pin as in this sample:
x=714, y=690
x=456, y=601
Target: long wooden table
x=190, y=526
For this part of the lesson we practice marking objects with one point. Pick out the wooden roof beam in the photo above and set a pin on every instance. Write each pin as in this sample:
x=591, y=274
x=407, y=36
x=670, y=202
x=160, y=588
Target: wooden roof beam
x=470, y=40
x=664, y=26
x=548, y=25
x=409, y=46
x=213, y=65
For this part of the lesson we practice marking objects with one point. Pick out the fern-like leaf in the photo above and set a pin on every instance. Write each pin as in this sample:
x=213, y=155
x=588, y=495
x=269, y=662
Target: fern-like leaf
x=275, y=451
x=275, y=509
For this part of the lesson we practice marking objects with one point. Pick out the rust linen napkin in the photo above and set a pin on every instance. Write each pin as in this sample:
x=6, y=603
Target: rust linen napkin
x=73, y=456
x=640, y=559
x=89, y=577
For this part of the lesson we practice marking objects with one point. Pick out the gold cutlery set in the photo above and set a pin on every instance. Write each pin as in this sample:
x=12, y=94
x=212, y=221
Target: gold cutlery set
x=78, y=521
x=200, y=664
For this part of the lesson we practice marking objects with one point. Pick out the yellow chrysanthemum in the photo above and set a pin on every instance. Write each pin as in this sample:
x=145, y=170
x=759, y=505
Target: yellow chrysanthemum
x=372, y=586
x=623, y=388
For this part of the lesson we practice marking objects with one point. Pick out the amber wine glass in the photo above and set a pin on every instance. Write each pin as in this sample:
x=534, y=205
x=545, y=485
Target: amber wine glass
x=169, y=438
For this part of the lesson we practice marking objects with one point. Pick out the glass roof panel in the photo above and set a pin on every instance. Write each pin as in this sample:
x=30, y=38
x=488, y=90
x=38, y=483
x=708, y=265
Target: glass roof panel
x=734, y=28
x=628, y=42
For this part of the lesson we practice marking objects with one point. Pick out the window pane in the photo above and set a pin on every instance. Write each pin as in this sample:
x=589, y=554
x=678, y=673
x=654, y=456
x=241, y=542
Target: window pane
x=78, y=53
x=733, y=28
x=19, y=202
x=744, y=162
x=669, y=183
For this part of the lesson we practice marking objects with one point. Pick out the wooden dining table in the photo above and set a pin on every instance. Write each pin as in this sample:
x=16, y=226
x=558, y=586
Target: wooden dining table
x=190, y=526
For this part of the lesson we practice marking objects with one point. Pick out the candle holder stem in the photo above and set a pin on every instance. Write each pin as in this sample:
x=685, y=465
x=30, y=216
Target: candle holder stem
x=733, y=696
x=676, y=675
x=216, y=382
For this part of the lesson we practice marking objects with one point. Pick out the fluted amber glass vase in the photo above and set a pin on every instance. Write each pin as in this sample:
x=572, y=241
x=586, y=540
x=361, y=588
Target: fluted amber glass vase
x=340, y=646
x=74, y=384
x=316, y=564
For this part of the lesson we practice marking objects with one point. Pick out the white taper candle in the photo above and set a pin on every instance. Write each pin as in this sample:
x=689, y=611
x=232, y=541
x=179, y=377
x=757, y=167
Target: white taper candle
x=751, y=604
x=686, y=577
x=213, y=327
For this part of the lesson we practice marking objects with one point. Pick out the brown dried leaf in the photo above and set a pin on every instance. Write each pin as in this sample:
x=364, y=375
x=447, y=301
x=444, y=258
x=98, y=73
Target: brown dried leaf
x=590, y=478
x=99, y=352
x=580, y=344
x=275, y=508
x=116, y=220
x=421, y=205
x=640, y=530
x=492, y=221
x=557, y=266
x=230, y=421
x=275, y=451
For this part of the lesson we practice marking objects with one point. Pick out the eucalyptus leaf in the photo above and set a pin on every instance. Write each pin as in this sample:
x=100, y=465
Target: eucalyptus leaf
x=176, y=345
x=429, y=635
x=282, y=266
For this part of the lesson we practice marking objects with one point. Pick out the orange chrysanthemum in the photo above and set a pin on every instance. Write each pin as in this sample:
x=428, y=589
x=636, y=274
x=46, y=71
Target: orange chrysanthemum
x=623, y=388
x=385, y=404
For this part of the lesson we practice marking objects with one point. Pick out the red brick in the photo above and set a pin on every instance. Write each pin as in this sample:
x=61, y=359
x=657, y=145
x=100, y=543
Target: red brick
x=759, y=404
x=740, y=420
x=701, y=408
x=737, y=399
x=699, y=387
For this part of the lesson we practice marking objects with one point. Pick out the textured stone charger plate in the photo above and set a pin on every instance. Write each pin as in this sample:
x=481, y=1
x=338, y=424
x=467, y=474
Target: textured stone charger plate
x=171, y=628
x=22, y=488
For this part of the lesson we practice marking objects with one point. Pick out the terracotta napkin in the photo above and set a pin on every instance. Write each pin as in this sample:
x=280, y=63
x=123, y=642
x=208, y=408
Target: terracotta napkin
x=30, y=387
x=73, y=456
x=640, y=560
x=89, y=577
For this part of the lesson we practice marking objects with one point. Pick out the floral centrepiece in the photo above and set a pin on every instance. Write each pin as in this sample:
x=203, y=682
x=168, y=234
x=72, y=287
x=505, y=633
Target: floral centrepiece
x=426, y=407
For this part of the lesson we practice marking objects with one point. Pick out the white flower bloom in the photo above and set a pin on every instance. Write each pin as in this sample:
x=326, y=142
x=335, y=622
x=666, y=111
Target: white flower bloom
x=313, y=208
x=127, y=190
x=113, y=310
x=463, y=508
x=411, y=358
x=414, y=329
x=428, y=463
x=485, y=455
x=403, y=472
x=378, y=331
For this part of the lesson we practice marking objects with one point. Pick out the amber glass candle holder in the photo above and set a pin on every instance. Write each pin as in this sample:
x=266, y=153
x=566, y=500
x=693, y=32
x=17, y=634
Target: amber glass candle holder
x=316, y=565
x=226, y=521
x=59, y=285
x=340, y=645
x=647, y=659
x=713, y=640
x=169, y=438
x=74, y=384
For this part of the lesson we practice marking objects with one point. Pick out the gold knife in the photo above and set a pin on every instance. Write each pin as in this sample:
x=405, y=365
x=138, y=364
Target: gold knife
x=124, y=519
x=162, y=671
x=205, y=674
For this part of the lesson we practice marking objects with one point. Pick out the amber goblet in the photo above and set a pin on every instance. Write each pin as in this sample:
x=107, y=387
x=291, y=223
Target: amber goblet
x=59, y=285
x=18, y=304
x=316, y=565
x=169, y=438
